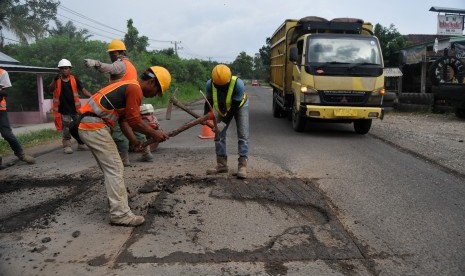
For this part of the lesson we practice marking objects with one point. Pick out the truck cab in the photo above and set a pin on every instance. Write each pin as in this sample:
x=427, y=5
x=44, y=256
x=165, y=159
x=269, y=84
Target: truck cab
x=333, y=72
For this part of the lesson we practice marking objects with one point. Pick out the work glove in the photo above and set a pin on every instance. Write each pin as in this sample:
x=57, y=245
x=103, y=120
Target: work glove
x=90, y=62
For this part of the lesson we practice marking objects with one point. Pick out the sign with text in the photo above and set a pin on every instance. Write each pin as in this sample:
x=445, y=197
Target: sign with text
x=450, y=24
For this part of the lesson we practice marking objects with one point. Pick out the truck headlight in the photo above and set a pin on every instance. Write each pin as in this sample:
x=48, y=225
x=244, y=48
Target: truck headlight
x=309, y=95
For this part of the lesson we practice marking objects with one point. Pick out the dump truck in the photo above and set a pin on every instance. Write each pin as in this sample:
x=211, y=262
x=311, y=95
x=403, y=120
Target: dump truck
x=327, y=70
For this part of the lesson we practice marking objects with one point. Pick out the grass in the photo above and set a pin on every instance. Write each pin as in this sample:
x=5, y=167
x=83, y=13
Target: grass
x=31, y=139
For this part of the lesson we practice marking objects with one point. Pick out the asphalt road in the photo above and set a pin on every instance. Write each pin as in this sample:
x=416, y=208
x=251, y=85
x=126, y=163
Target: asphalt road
x=323, y=202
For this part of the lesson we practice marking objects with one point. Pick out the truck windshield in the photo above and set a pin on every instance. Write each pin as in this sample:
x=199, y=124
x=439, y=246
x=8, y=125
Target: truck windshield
x=344, y=50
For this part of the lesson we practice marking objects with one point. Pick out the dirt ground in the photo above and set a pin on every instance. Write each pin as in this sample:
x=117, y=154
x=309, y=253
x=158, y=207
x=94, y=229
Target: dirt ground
x=438, y=138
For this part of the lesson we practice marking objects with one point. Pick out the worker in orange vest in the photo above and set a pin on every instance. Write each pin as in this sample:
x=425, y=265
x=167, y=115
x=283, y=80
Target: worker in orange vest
x=120, y=69
x=119, y=102
x=5, y=128
x=66, y=101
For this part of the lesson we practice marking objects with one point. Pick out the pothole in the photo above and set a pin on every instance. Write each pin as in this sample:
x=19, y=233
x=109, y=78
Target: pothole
x=273, y=220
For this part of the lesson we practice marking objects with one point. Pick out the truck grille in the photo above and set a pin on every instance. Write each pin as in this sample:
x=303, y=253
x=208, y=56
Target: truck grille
x=343, y=97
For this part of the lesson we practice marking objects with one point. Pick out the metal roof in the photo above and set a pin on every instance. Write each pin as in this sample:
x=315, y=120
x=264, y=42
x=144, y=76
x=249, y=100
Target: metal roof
x=392, y=72
x=448, y=10
x=12, y=65
x=7, y=59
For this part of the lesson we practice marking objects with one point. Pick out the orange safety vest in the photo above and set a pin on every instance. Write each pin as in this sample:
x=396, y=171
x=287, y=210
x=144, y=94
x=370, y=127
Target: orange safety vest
x=3, y=101
x=103, y=116
x=57, y=92
x=129, y=74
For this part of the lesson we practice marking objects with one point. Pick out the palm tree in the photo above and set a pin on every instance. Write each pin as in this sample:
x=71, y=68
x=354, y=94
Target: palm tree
x=69, y=30
x=27, y=20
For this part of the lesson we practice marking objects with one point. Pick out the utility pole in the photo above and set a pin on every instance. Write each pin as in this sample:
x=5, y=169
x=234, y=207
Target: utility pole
x=176, y=47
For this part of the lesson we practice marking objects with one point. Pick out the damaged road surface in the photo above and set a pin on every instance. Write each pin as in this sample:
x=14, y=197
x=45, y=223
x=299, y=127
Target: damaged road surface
x=324, y=201
x=193, y=225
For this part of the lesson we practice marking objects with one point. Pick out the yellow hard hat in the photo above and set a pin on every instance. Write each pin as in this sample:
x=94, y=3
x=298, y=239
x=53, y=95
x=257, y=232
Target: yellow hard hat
x=163, y=76
x=221, y=74
x=116, y=45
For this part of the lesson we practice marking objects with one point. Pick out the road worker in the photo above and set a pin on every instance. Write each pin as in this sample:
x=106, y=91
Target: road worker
x=120, y=69
x=120, y=102
x=5, y=128
x=227, y=96
x=66, y=101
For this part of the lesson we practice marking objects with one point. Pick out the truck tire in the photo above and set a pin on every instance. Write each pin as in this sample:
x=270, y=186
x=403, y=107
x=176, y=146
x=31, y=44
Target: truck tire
x=298, y=122
x=436, y=71
x=278, y=112
x=362, y=126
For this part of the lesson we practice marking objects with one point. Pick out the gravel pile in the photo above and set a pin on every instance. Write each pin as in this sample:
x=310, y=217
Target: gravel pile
x=439, y=138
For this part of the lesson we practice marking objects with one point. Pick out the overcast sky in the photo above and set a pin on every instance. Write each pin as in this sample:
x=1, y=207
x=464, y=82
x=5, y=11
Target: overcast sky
x=221, y=29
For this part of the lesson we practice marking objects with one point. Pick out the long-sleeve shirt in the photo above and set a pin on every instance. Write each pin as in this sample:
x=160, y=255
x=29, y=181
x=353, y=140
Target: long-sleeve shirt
x=116, y=69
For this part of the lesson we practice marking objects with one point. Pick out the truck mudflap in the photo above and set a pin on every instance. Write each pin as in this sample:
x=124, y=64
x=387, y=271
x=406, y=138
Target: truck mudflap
x=341, y=112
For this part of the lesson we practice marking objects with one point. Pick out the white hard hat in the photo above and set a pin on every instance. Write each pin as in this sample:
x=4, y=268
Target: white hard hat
x=146, y=109
x=64, y=63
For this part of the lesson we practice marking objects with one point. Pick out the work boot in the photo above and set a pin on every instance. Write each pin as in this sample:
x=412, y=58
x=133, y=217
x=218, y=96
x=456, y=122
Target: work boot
x=146, y=155
x=242, y=167
x=129, y=221
x=67, y=146
x=82, y=147
x=125, y=158
x=221, y=165
x=26, y=158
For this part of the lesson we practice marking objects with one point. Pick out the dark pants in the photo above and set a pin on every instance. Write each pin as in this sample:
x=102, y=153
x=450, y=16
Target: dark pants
x=7, y=133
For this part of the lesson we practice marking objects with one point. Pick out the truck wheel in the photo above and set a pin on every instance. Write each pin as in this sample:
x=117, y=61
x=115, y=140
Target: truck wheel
x=298, y=122
x=277, y=110
x=362, y=126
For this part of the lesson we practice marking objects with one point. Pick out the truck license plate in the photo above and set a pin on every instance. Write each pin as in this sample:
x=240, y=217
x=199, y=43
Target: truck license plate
x=345, y=112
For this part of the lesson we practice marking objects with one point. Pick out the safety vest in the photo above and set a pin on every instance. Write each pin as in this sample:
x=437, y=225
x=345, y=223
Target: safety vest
x=100, y=115
x=3, y=101
x=232, y=84
x=57, y=92
x=129, y=74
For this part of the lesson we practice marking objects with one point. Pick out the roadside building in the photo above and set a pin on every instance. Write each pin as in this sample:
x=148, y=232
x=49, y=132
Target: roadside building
x=32, y=109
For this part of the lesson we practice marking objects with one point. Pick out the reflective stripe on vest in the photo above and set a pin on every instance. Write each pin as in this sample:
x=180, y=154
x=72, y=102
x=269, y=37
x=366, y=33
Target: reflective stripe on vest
x=232, y=84
x=93, y=105
x=57, y=93
x=129, y=74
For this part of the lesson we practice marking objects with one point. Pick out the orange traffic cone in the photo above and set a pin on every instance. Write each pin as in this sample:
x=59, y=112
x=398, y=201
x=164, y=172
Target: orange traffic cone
x=207, y=132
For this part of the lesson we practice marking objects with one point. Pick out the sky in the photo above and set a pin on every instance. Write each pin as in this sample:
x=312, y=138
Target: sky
x=220, y=30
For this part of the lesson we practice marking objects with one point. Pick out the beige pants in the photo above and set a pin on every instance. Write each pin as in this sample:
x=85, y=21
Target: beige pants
x=105, y=152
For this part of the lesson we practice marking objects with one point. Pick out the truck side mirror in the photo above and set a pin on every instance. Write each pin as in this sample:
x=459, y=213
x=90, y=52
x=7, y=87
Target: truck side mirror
x=293, y=54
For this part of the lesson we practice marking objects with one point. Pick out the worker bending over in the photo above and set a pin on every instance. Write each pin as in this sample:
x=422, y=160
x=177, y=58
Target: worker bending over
x=120, y=102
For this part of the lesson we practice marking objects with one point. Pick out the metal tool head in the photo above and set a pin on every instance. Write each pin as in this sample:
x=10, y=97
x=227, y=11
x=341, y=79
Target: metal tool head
x=169, y=109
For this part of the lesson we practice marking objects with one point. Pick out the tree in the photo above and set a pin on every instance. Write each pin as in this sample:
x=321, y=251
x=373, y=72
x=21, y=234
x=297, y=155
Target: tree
x=263, y=71
x=391, y=42
x=133, y=41
x=69, y=30
x=28, y=19
x=243, y=66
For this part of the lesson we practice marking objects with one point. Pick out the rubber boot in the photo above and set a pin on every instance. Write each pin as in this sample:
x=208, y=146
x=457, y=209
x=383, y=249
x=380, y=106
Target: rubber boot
x=146, y=155
x=125, y=158
x=221, y=165
x=67, y=146
x=242, y=167
x=26, y=158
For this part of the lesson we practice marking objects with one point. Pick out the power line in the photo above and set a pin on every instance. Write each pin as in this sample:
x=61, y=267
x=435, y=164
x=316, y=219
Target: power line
x=88, y=18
